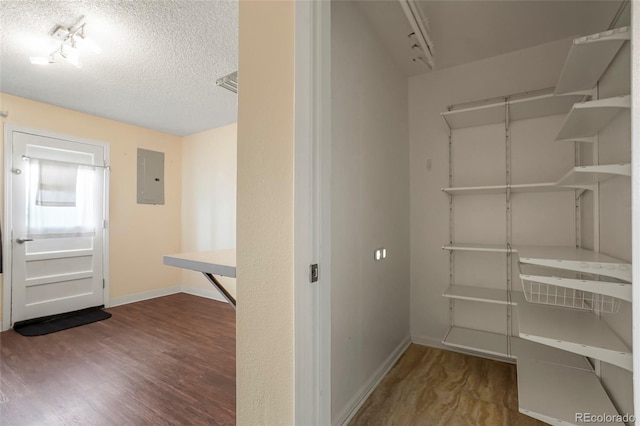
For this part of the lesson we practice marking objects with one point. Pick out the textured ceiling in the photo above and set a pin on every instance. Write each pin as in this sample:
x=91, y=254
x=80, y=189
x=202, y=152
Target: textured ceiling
x=466, y=31
x=158, y=67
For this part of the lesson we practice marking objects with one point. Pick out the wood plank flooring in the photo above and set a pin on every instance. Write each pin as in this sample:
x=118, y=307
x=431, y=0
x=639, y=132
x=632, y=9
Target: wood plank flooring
x=429, y=386
x=165, y=361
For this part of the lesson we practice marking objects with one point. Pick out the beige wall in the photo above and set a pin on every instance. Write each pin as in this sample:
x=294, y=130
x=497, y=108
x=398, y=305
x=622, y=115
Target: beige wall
x=139, y=234
x=265, y=359
x=209, y=175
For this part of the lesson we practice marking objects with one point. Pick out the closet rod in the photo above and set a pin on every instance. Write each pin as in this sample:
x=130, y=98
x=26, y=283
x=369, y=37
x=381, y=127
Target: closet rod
x=27, y=158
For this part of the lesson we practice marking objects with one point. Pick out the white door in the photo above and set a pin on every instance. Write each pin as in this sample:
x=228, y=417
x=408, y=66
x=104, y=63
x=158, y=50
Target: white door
x=57, y=209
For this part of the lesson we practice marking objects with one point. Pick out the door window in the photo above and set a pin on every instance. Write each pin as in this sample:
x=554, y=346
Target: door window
x=60, y=203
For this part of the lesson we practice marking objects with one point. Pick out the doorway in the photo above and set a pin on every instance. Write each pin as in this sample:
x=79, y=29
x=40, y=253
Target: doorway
x=56, y=212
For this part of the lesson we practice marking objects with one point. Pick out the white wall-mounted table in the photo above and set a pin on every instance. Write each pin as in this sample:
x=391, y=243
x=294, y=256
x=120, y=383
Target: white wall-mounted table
x=210, y=263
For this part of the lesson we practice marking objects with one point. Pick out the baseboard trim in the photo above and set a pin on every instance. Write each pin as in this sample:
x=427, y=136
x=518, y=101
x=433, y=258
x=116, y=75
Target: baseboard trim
x=208, y=293
x=363, y=393
x=145, y=295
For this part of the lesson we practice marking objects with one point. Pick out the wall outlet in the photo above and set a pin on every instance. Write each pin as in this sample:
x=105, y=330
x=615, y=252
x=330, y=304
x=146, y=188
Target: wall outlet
x=380, y=253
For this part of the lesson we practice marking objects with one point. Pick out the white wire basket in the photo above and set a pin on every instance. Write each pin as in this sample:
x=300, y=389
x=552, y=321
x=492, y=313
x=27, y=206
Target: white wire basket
x=547, y=294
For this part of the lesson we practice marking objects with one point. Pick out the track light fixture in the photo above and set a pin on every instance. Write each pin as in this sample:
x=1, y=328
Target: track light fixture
x=72, y=40
x=229, y=82
x=420, y=27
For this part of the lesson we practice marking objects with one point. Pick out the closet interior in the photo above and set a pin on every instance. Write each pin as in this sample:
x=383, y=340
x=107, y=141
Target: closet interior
x=513, y=241
x=560, y=160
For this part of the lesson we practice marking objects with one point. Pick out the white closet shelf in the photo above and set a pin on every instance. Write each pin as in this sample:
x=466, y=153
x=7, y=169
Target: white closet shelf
x=587, y=118
x=475, y=116
x=495, y=345
x=575, y=259
x=522, y=349
x=477, y=294
x=588, y=59
x=614, y=289
x=502, y=189
x=496, y=248
x=484, y=342
x=554, y=394
x=580, y=332
x=567, y=258
x=541, y=106
x=519, y=109
x=582, y=176
x=579, y=177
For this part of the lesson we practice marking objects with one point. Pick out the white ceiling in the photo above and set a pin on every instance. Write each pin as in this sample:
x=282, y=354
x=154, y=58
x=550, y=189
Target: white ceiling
x=466, y=31
x=158, y=67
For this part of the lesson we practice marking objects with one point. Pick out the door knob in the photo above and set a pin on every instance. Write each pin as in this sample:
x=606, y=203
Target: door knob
x=23, y=240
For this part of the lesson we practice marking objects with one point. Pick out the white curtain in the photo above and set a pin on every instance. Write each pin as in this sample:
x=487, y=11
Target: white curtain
x=60, y=200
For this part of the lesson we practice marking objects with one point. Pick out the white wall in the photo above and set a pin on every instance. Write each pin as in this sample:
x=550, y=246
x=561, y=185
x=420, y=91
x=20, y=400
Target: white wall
x=370, y=209
x=209, y=182
x=429, y=95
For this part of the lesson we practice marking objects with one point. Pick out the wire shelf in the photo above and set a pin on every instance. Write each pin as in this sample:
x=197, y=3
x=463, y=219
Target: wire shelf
x=547, y=294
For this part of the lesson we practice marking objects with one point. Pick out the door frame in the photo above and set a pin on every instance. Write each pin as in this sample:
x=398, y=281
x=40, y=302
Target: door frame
x=312, y=213
x=635, y=197
x=8, y=220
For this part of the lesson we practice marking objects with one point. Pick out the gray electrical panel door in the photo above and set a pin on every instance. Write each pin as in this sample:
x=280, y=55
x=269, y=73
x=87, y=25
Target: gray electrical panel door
x=150, y=177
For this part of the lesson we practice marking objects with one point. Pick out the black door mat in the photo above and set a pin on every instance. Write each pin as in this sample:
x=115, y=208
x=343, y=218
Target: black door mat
x=53, y=323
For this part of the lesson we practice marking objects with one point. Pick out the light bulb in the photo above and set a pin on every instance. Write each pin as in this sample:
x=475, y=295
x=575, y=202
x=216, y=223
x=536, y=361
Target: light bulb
x=88, y=43
x=43, y=60
x=70, y=55
x=74, y=61
x=39, y=60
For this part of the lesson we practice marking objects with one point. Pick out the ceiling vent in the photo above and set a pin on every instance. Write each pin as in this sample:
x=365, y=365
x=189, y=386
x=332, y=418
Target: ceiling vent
x=229, y=82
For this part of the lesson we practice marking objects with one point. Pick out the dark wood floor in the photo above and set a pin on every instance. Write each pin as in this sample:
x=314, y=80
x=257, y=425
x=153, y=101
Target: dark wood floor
x=429, y=386
x=165, y=361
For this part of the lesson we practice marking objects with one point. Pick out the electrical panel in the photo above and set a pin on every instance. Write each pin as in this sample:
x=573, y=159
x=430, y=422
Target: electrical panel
x=150, y=177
